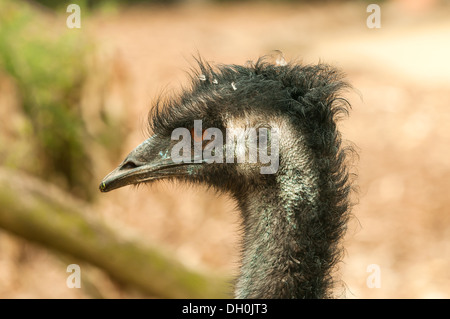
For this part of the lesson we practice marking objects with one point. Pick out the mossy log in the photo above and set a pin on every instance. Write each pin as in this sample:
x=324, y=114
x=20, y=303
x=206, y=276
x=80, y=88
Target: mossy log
x=42, y=213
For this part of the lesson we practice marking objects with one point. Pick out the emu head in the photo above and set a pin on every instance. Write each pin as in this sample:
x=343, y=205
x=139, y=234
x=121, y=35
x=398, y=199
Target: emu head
x=224, y=132
x=268, y=114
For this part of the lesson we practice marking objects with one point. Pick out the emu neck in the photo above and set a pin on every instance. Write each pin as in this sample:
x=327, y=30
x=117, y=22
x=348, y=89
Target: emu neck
x=285, y=251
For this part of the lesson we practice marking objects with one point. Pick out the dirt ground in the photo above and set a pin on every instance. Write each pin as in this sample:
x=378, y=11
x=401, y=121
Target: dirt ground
x=399, y=123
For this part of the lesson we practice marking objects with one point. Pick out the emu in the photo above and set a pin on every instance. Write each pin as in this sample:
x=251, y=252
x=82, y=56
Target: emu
x=292, y=219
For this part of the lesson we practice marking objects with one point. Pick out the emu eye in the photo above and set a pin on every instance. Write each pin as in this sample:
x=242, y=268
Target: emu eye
x=197, y=138
x=196, y=135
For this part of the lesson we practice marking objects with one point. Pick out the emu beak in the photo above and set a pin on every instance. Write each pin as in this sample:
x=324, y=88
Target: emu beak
x=145, y=163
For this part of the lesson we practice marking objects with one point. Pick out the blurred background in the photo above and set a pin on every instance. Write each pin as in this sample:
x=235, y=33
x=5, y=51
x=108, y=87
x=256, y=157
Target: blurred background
x=74, y=102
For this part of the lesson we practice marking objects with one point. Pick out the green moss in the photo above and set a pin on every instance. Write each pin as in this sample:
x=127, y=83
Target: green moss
x=48, y=63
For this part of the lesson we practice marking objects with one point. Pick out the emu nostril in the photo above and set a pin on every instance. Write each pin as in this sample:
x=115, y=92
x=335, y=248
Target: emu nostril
x=129, y=165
